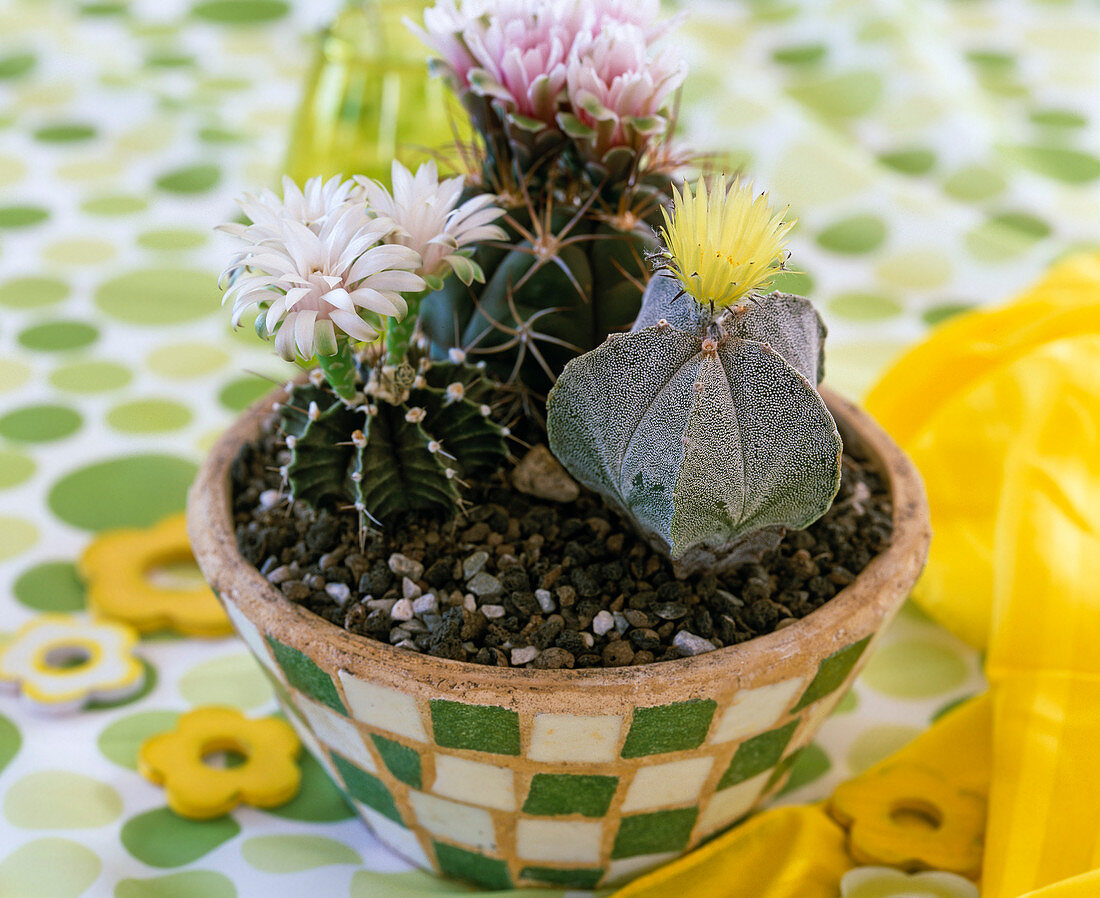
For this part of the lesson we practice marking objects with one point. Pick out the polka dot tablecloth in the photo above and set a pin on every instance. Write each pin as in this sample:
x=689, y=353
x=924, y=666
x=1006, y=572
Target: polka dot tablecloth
x=938, y=156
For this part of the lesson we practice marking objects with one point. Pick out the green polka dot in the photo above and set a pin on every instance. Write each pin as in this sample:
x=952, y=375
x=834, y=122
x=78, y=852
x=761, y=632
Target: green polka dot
x=853, y=367
x=13, y=374
x=120, y=741
x=991, y=60
x=114, y=204
x=974, y=183
x=318, y=800
x=22, y=216
x=39, y=423
x=239, y=394
x=171, y=239
x=915, y=269
x=186, y=884
x=56, y=336
x=154, y=296
x=915, y=668
x=811, y=764
x=15, y=468
x=192, y=179
x=149, y=416
x=842, y=96
x=857, y=234
x=103, y=9
x=51, y=586
x=293, y=853
x=32, y=292
x=49, y=868
x=800, y=54
x=219, y=136
x=1059, y=163
x=857, y=306
x=1006, y=236
x=877, y=743
x=10, y=741
x=136, y=491
x=15, y=65
x=12, y=170
x=800, y=283
x=159, y=838
x=240, y=12
x=937, y=314
x=169, y=59
x=61, y=799
x=79, y=251
x=184, y=360
x=909, y=162
x=847, y=704
x=16, y=536
x=1058, y=118
x=90, y=377
x=65, y=132
x=234, y=680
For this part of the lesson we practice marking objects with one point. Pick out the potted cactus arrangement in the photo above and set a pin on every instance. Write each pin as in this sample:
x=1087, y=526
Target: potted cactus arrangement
x=557, y=553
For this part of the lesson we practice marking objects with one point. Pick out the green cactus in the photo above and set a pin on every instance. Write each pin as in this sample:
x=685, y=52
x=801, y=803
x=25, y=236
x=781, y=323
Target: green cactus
x=408, y=450
x=708, y=432
x=569, y=278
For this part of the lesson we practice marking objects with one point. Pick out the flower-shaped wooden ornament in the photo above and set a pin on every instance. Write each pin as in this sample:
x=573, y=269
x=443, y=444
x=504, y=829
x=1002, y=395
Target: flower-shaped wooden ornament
x=217, y=758
x=121, y=568
x=59, y=663
x=907, y=816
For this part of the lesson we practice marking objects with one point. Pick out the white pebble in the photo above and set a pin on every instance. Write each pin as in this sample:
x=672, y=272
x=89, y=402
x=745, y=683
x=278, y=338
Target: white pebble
x=621, y=623
x=492, y=611
x=404, y=566
x=474, y=564
x=407, y=644
x=425, y=604
x=545, y=600
x=280, y=575
x=269, y=498
x=524, y=655
x=588, y=639
x=469, y=603
x=409, y=589
x=691, y=644
x=381, y=604
x=338, y=592
x=402, y=610
x=602, y=623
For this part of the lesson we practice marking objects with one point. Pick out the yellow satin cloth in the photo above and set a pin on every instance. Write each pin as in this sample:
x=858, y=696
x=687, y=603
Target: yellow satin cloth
x=1002, y=407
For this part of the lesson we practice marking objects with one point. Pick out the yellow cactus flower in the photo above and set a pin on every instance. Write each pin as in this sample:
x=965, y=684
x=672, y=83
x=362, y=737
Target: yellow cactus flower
x=725, y=245
x=181, y=761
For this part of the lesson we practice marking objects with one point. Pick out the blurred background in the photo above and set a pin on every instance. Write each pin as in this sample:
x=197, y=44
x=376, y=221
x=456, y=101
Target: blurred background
x=938, y=155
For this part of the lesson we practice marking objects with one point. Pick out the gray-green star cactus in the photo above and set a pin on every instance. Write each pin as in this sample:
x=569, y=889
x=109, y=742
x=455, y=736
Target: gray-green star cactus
x=703, y=425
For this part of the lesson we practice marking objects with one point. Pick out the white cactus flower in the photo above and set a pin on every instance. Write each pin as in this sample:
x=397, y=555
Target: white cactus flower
x=424, y=214
x=315, y=262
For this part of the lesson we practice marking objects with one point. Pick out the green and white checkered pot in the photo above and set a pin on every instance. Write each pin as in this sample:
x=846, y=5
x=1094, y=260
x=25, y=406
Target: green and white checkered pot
x=556, y=777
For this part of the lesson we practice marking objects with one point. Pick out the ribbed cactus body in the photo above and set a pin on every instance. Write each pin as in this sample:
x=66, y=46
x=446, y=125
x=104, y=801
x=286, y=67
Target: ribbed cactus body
x=383, y=458
x=706, y=432
x=539, y=307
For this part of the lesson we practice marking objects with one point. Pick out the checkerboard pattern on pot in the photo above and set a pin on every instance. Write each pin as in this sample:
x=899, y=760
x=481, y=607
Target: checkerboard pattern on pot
x=507, y=798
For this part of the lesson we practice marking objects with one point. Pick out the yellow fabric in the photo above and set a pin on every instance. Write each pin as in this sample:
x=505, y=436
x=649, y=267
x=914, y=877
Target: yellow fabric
x=956, y=403
x=794, y=852
x=1044, y=659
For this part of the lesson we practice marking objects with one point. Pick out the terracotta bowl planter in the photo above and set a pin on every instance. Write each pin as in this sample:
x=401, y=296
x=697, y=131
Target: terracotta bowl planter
x=557, y=777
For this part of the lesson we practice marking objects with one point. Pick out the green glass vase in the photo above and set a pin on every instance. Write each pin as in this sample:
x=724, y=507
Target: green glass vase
x=370, y=99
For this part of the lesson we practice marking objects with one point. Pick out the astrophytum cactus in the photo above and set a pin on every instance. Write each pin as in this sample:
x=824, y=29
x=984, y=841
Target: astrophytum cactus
x=703, y=424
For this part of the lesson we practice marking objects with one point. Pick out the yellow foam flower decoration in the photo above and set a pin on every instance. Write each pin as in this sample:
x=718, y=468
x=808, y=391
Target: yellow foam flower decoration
x=724, y=245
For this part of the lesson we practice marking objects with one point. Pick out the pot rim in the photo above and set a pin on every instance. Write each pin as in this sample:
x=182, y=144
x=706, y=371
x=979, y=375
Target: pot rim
x=874, y=591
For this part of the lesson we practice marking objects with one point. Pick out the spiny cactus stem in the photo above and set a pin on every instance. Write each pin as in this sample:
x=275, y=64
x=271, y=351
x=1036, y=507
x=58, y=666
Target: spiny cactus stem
x=339, y=371
x=399, y=333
